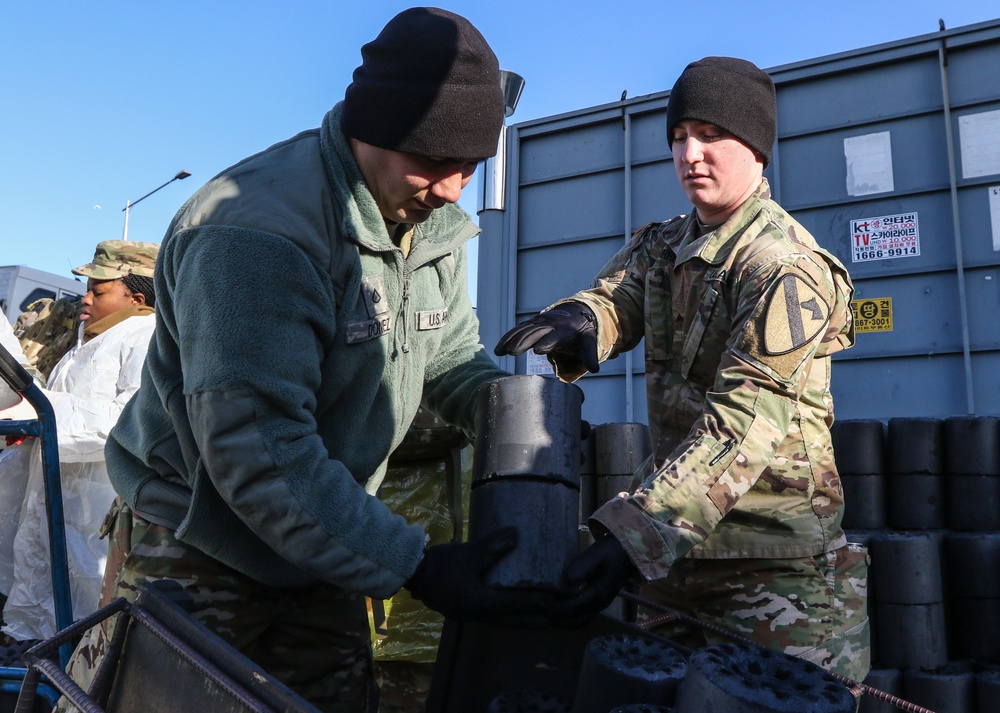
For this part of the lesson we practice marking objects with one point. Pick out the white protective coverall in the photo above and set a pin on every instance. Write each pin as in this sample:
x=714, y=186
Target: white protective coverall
x=88, y=389
x=13, y=465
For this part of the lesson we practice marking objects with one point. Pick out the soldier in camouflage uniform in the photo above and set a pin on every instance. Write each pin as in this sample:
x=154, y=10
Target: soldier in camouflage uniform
x=427, y=482
x=46, y=331
x=738, y=520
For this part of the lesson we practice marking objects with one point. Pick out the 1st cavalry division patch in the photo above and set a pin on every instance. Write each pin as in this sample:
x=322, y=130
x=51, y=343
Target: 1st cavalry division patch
x=796, y=313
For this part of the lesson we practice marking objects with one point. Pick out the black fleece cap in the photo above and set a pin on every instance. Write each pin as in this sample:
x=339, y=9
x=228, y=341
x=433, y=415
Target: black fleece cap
x=731, y=93
x=429, y=84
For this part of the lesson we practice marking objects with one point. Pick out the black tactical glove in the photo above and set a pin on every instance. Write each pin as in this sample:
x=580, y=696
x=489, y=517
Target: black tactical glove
x=598, y=574
x=568, y=329
x=449, y=580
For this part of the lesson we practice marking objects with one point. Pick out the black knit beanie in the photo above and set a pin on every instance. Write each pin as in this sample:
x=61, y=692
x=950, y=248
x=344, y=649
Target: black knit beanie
x=731, y=93
x=429, y=84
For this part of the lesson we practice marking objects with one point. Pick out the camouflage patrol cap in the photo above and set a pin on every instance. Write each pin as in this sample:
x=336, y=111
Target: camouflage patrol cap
x=118, y=258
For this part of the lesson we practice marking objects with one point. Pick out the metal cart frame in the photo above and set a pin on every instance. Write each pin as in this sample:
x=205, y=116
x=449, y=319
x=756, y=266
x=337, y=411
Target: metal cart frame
x=159, y=659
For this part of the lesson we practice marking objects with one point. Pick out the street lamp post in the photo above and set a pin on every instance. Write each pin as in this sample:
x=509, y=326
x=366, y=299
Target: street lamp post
x=492, y=219
x=181, y=175
x=494, y=177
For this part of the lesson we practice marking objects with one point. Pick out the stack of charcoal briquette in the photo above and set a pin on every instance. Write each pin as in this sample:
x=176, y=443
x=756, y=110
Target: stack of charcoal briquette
x=923, y=494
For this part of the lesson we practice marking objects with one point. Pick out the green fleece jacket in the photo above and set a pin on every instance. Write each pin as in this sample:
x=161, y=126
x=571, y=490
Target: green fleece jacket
x=293, y=346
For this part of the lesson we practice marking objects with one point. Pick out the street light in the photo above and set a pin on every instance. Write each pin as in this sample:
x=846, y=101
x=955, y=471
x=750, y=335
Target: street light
x=181, y=175
x=492, y=185
x=512, y=84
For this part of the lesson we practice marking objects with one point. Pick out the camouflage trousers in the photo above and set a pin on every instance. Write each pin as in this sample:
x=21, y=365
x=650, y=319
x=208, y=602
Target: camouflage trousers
x=313, y=639
x=815, y=608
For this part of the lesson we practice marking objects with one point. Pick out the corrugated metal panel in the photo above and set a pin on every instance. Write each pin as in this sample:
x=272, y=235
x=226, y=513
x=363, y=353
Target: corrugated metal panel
x=581, y=181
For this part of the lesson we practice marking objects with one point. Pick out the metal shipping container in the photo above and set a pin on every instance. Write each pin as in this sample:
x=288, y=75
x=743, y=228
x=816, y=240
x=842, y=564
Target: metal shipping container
x=889, y=155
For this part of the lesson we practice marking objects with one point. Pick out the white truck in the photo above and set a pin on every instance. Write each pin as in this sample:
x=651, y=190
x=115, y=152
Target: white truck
x=20, y=286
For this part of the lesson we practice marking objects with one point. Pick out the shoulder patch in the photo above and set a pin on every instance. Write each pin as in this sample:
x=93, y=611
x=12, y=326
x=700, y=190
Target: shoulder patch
x=794, y=315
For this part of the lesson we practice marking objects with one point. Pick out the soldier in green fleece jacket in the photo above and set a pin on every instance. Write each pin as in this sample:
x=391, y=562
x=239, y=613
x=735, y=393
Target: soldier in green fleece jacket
x=310, y=299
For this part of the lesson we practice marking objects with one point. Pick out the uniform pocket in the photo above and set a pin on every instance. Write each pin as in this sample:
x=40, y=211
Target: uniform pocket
x=696, y=332
x=658, y=313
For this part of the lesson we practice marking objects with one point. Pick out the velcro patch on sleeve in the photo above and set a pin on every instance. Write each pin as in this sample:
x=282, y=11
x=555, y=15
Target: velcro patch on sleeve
x=794, y=316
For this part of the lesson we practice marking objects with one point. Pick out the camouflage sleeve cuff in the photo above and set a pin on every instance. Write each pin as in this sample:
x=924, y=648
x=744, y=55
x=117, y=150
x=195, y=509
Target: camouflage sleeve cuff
x=569, y=368
x=566, y=368
x=638, y=534
x=608, y=335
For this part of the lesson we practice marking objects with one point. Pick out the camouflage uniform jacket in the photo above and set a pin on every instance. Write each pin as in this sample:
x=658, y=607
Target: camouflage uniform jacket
x=739, y=325
x=47, y=331
x=294, y=344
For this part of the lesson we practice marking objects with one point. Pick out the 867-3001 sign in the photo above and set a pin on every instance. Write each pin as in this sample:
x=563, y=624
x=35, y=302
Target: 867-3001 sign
x=885, y=236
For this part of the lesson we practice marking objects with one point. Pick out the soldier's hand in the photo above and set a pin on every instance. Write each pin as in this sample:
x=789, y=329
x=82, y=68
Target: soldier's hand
x=569, y=328
x=449, y=579
x=597, y=575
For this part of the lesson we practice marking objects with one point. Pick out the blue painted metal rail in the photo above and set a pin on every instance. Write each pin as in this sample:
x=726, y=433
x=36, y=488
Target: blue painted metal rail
x=44, y=429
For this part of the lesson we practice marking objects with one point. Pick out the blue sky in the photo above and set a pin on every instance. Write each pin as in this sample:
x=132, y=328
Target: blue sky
x=101, y=102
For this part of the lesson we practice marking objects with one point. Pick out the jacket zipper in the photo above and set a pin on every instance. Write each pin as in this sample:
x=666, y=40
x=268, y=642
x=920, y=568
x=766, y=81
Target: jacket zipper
x=405, y=306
